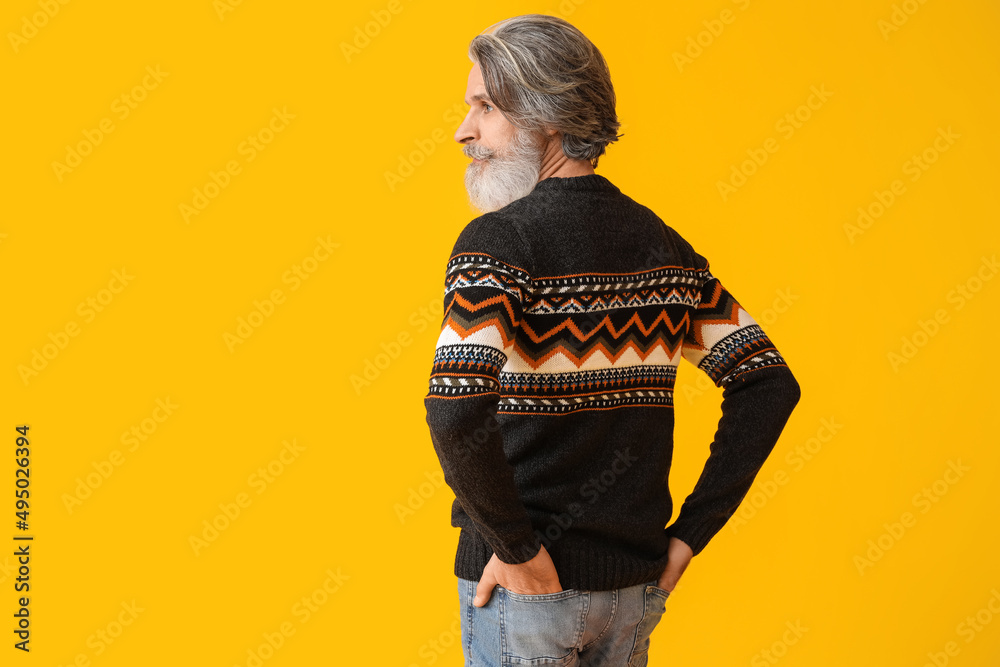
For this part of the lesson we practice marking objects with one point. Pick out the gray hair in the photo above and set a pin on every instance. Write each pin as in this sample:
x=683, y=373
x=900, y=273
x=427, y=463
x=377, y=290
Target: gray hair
x=542, y=72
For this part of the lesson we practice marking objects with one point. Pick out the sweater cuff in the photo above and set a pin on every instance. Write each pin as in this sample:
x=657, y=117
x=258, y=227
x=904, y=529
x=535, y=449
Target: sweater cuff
x=518, y=552
x=696, y=536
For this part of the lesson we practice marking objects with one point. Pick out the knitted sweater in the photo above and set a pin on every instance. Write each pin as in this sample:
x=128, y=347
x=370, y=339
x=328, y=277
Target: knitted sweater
x=550, y=406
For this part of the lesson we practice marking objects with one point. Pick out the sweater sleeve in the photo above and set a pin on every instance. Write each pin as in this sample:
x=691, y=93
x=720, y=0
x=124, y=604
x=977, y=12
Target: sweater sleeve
x=486, y=284
x=759, y=393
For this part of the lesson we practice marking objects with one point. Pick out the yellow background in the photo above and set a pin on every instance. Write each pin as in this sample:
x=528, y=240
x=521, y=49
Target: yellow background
x=388, y=106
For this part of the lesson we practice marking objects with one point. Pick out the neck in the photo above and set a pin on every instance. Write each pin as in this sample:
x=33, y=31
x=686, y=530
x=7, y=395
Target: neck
x=555, y=163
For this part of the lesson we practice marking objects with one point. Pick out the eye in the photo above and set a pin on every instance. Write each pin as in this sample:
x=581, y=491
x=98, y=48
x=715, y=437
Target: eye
x=489, y=107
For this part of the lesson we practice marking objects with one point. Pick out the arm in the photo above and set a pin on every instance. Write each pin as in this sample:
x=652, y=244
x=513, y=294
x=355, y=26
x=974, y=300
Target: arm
x=482, y=309
x=758, y=397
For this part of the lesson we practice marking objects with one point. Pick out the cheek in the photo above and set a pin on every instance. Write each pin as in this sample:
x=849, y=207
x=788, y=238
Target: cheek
x=497, y=131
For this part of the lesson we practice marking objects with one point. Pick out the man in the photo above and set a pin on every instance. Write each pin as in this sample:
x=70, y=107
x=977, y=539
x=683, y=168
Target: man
x=567, y=309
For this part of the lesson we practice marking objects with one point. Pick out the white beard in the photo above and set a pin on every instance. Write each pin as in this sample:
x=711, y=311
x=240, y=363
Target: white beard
x=506, y=175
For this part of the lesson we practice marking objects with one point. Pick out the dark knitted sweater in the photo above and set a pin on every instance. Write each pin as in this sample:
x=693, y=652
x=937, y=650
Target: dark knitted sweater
x=566, y=314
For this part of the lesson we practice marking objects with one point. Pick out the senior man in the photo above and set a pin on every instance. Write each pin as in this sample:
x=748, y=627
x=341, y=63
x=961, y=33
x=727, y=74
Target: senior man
x=567, y=309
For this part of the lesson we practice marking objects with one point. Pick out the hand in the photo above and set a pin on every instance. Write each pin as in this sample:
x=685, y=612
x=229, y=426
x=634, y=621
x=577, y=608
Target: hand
x=533, y=577
x=679, y=554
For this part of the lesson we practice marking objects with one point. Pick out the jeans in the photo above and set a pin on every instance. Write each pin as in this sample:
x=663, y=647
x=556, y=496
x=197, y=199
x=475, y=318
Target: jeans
x=571, y=627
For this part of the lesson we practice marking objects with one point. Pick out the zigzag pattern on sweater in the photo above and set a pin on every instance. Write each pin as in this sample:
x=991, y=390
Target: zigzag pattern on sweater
x=587, y=341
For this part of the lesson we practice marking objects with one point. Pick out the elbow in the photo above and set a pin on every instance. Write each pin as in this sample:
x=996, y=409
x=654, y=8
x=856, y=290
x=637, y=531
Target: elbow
x=776, y=389
x=784, y=389
x=792, y=389
x=455, y=421
x=443, y=421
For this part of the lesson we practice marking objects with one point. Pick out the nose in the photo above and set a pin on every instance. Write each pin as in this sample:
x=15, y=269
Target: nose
x=467, y=132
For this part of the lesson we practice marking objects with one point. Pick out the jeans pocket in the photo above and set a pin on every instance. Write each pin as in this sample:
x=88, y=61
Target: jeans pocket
x=655, y=604
x=542, y=597
x=661, y=591
x=541, y=629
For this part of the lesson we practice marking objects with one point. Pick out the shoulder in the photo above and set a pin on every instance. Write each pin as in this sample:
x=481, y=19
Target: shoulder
x=494, y=236
x=676, y=246
x=691, y=257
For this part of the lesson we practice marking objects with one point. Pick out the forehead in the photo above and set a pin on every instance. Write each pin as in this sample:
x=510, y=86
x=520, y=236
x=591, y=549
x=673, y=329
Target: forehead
x=476, y=88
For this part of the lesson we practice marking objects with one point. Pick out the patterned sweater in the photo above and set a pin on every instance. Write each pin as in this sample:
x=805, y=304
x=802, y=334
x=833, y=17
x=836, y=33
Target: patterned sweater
x=550, y=406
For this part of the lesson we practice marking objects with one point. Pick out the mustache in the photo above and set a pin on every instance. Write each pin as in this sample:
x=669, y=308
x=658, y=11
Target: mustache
x=476, y=151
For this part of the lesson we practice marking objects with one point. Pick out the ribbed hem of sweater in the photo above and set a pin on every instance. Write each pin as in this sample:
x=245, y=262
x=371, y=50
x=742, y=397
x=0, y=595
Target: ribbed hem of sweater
x=579, y=566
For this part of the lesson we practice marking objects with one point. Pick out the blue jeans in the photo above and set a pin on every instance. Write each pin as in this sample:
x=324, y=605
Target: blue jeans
x=569, y=628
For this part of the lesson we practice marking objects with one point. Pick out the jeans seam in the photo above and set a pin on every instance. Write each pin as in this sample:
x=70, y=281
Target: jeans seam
x=501, y=607
x=611, y=620
x=468, y=614
x=582, y=621
x=638, y=626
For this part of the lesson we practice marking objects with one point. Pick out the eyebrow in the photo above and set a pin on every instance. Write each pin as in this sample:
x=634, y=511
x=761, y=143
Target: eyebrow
x=478, y=96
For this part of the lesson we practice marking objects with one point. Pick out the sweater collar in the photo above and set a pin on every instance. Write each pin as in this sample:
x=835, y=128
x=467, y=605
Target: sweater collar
x=586, y=182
